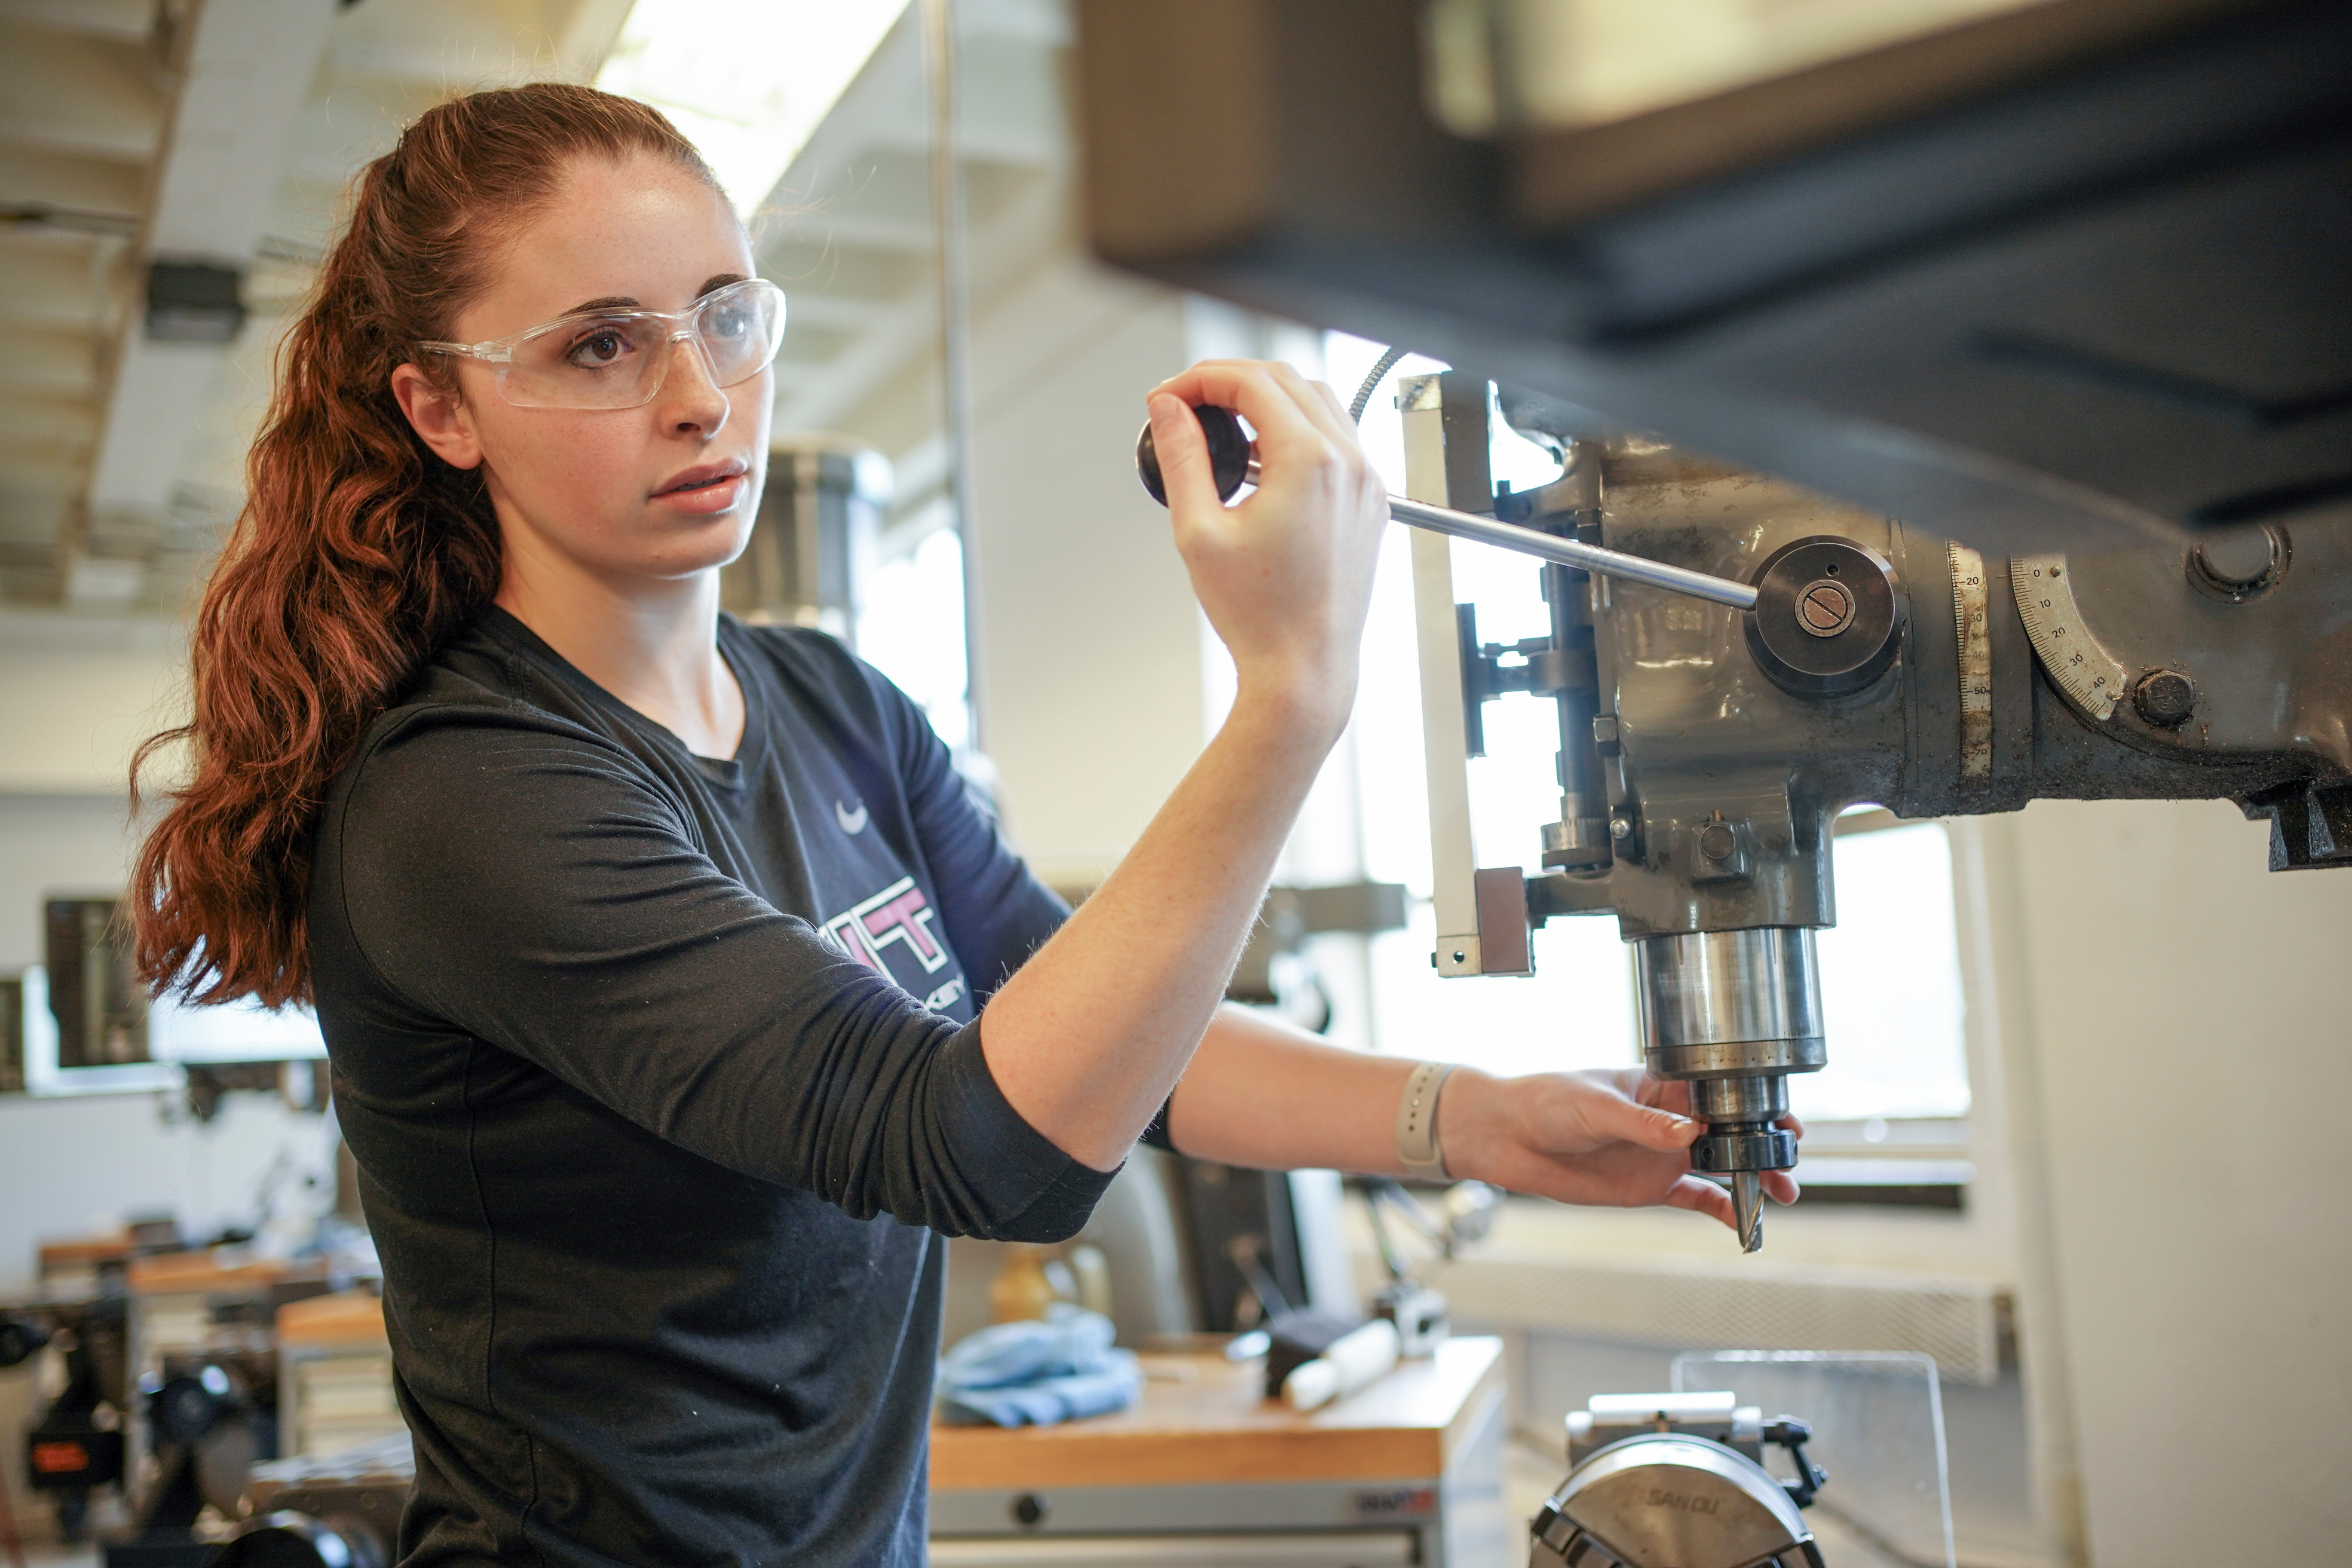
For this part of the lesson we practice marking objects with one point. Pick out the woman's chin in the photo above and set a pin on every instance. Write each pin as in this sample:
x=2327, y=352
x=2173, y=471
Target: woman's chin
x=699, y=544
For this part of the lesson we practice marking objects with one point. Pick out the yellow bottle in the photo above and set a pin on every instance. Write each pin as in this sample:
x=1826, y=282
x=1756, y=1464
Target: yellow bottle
x=1021, y=1289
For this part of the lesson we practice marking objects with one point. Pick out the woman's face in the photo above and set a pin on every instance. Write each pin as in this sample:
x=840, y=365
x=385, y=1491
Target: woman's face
x=628, y=496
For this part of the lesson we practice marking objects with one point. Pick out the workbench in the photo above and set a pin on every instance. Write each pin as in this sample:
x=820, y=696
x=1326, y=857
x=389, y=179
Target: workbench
x=1205, y=1470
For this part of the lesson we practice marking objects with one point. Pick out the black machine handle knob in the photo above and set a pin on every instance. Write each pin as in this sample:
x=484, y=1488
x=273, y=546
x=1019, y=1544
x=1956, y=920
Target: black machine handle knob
x=1229, y=452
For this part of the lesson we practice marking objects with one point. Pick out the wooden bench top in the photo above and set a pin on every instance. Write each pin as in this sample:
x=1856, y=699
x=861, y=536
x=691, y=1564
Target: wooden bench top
x=1208, y=1422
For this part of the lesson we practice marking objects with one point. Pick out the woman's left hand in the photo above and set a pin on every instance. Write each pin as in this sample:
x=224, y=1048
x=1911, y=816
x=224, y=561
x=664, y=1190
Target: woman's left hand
x=1619, y=1138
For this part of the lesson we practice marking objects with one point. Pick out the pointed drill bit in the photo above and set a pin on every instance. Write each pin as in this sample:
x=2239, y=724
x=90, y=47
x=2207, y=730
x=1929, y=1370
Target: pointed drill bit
x=1748, y=1209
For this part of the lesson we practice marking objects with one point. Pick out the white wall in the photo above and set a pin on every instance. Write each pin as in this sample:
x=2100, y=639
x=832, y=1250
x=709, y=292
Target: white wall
x=2182, y=1059
x=1090, y=636
x=72, y=707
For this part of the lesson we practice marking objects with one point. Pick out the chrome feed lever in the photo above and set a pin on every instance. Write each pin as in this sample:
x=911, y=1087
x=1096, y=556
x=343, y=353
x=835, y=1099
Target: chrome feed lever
x=1230, y=459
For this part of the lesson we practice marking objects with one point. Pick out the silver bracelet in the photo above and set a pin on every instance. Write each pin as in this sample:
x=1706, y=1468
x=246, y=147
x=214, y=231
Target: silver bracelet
x=1416, y=1123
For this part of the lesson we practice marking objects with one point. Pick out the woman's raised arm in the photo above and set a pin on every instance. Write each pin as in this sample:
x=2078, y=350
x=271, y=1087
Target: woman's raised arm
x=1087, y=1039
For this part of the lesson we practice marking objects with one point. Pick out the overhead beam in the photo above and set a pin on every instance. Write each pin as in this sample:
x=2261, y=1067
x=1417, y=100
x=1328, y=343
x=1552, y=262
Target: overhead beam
x=247, y=69
x=79, y=95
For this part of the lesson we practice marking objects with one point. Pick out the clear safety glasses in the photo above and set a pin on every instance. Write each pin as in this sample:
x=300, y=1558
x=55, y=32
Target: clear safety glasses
x=618, y=359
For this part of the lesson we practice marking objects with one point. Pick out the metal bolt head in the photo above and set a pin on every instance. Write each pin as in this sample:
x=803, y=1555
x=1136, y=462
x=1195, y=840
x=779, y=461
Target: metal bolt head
x=1717, y=841
x=2165, y=696
x=1825, y=608
x=1620, y=827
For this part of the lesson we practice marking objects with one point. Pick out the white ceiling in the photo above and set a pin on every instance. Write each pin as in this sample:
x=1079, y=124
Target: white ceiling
x=228, y=129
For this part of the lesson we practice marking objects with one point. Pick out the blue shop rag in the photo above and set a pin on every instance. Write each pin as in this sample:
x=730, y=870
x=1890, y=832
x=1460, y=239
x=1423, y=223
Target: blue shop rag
x=1034, y=1374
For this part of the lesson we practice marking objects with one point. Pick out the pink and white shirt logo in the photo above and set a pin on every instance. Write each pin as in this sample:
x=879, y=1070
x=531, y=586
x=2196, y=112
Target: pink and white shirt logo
x=898, y=913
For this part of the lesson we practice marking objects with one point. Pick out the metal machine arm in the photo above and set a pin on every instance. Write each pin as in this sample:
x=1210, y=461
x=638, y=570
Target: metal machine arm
x=1705, y=754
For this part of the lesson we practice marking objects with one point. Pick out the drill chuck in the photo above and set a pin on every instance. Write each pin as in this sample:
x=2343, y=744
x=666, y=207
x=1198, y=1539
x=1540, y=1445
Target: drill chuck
x=1733, y=1013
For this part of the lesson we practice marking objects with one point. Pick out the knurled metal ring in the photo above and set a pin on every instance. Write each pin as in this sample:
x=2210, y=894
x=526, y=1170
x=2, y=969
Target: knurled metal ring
x=1774, y=1149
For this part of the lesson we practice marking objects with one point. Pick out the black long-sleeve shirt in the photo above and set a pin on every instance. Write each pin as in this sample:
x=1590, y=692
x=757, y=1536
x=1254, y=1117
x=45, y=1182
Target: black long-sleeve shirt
x=661, y=1074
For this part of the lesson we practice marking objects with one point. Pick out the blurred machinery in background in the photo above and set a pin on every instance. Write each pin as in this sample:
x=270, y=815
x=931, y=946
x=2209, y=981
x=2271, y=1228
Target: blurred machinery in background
x=181, y=1373
x=334, y=1511
x=2090, y=406
x=1465, y=1215
x=73, y=1446
x=813, y=544
x=208, y=1418
x=1278, y=969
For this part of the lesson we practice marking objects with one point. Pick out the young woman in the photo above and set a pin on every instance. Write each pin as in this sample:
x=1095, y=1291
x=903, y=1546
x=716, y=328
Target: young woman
x=676, y=995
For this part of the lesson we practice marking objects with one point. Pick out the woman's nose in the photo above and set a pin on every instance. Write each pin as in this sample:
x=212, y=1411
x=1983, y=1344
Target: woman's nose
x=691, y=396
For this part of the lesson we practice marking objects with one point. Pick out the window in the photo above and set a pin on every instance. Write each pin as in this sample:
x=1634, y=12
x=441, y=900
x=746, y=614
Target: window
x=178, y=1036
x=1890, y=969
x=910, y=627
x=1891, y=981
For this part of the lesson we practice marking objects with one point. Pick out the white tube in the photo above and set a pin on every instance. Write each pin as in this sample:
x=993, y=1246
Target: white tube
x=1347, y=1364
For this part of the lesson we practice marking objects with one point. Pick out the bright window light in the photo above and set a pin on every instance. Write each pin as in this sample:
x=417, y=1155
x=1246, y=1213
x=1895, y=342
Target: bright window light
x=747, y=81
x=239, y=1031
x=178, y=1034
x=1891, y=991
x=912, y=630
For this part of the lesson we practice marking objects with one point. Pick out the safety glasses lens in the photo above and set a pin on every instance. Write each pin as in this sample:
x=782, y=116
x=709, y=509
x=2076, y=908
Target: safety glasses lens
x=741, y=328
x=621, y=359
x=588, y=362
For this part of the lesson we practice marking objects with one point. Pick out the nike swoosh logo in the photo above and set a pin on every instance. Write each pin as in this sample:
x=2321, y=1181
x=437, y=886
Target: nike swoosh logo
x=851, y=820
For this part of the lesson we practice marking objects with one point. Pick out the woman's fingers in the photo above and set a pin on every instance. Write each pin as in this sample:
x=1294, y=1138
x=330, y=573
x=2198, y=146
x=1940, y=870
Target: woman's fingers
x=1701, y=1196
x=1615, y=1136
x=1285, y=577
x=1276, y=399
x=1316, y=401
x=1331, y=395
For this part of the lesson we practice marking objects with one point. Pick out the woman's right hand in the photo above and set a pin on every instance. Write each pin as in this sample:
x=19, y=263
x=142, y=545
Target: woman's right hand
x=1285, y=576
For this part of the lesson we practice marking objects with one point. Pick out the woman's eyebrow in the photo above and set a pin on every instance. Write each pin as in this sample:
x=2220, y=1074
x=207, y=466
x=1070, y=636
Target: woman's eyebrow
x=627, y=302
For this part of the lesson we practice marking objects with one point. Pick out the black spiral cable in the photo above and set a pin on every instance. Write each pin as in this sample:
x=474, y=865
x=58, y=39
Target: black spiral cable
x=1381, y=367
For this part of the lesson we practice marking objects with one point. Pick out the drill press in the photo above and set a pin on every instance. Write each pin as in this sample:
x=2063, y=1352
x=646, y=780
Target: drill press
x=1735, y=661
x=1705, y=749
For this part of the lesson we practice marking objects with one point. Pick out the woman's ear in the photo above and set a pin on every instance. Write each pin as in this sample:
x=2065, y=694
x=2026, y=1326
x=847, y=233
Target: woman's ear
x=439, y=417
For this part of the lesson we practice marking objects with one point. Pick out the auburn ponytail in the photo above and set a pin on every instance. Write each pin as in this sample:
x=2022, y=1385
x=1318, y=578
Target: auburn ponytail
x=359, y=552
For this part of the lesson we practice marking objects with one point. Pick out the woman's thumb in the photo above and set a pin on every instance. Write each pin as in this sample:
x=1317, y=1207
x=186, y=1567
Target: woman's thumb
x=1647, y=1125
x=1183, y=452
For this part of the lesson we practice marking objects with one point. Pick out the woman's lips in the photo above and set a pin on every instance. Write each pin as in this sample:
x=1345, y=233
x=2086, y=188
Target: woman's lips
x=710, y=489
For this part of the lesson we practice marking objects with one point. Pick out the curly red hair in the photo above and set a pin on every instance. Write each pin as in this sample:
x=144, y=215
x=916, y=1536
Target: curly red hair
x=359, y=552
